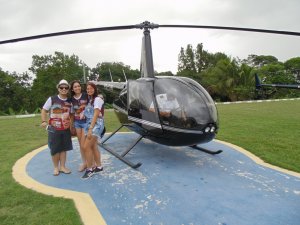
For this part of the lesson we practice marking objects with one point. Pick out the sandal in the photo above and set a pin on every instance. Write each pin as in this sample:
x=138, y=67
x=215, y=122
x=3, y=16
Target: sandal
x=65, y=170
x=56, y=172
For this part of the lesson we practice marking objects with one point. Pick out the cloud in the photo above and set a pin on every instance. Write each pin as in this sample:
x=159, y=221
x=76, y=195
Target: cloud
x=25, y=18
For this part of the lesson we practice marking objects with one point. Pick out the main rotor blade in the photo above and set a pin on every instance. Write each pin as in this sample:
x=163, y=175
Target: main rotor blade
x=70, y=32
x=147, y=25
x=234, y=28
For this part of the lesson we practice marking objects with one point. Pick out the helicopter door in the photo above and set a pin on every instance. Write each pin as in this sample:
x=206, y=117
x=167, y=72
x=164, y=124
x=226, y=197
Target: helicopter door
x=140, y=98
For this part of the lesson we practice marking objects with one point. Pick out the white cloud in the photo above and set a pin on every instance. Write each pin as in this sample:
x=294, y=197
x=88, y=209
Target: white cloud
x=24, y=18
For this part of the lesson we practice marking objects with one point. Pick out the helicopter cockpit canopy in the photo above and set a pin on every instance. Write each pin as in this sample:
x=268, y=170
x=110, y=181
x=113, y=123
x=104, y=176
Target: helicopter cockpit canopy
x=166, y=101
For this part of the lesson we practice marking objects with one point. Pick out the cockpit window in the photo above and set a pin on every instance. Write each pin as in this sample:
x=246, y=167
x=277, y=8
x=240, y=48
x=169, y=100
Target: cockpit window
x=209, y=101
x=180, y=105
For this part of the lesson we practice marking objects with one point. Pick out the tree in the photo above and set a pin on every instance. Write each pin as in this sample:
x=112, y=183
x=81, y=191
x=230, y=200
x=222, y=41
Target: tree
x=182, y=61
x=203, y=59
x=166, y=73
x=258, y=61
x=293, y=66
x=14, y=93
x=187, y=59
x=221, y=80
x=117, y=69
x=49, y=70
x=276, y=74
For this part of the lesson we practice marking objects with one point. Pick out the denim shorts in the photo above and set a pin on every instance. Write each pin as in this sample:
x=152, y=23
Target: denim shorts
x=98, y=128
x=79, y=123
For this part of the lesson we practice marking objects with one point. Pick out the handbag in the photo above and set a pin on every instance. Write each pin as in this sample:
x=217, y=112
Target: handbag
x=73, y=131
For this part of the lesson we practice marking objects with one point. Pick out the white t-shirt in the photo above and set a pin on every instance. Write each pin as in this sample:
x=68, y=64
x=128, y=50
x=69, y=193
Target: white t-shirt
x=98, y=103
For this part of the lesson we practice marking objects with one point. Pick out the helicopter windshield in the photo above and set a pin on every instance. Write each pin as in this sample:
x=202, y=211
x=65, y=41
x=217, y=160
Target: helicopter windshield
x=181, y=104
x=201, y=91
x=140, y=96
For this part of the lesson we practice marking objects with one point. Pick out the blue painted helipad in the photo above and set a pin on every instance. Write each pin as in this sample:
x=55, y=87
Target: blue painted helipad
x=179, y=185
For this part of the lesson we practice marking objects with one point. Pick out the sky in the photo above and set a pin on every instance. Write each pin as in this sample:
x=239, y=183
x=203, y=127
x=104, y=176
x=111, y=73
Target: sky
x=21, y=18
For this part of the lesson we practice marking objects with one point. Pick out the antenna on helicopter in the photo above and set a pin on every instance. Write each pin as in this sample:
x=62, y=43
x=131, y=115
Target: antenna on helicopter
x=124, y=75
x=110, y=75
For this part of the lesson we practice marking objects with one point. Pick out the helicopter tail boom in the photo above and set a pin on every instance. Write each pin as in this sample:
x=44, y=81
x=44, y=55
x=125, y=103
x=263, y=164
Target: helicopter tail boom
x=260, y=85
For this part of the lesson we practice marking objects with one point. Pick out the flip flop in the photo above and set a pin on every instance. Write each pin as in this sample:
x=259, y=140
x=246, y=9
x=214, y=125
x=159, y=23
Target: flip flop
x=65, y=171
x=55, y=172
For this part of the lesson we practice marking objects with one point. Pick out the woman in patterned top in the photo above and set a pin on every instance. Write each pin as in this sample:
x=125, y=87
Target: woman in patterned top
x=79, y=100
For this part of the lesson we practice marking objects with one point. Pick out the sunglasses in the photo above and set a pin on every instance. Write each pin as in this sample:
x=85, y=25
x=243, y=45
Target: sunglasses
x=66, y=88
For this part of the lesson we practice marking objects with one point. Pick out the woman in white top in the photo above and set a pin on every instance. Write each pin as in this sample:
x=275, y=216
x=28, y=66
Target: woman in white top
x=93, y=130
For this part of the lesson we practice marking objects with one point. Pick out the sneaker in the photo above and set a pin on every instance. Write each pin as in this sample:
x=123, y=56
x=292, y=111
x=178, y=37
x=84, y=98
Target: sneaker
x=98, y=169
x=87, y=174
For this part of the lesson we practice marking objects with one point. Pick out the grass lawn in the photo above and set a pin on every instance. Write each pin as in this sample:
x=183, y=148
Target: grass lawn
x=269, y=130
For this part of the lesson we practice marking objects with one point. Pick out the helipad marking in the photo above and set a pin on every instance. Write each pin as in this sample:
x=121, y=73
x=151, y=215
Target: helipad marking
x=83, y=201
x=85, y=205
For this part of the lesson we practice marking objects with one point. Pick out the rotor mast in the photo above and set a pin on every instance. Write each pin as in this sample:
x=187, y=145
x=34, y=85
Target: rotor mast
x=147, y=68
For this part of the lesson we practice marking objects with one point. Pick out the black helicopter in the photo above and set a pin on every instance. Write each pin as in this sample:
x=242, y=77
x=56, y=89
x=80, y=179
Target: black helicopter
x=169, y=110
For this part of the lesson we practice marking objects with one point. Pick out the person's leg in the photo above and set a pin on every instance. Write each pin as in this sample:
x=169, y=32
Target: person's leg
x=97, y=157
x=88, y=152
x=96, y=153
x=55, y=160
x=62, y=160
x=81, y=138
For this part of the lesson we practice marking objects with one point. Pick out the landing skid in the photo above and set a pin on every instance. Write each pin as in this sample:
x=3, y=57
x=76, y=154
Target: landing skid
x=123, y=154
x=206, y=150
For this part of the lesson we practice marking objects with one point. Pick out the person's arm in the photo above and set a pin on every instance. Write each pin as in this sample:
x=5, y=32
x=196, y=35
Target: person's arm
x=93, y=123
x=97, y=107
x=44, y=118
x=72, y=127
x=44, y=113
x=72, y=116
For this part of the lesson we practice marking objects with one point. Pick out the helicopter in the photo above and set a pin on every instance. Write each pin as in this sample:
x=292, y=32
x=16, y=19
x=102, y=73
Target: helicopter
x=259, y=84
x=264, y=90
x=169, y=110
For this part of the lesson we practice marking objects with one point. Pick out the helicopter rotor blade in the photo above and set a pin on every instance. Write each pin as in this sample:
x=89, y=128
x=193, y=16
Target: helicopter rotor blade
x=146, y=26
x=234, y=29
x=70, y=32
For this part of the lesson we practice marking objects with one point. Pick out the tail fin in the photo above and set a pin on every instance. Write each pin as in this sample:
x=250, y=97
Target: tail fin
x=257, y=82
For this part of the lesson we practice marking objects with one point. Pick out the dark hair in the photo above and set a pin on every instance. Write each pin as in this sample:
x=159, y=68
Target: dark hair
x=71, y=86
x=95, y=91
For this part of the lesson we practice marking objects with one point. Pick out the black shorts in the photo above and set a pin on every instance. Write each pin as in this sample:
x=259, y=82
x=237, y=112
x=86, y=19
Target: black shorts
x=59, y=141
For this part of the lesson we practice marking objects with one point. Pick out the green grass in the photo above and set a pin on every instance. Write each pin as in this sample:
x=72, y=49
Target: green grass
x=19, y=205
x=269, y=130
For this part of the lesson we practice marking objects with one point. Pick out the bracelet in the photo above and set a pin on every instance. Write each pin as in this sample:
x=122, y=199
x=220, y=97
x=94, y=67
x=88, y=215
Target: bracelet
x=44, y=121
